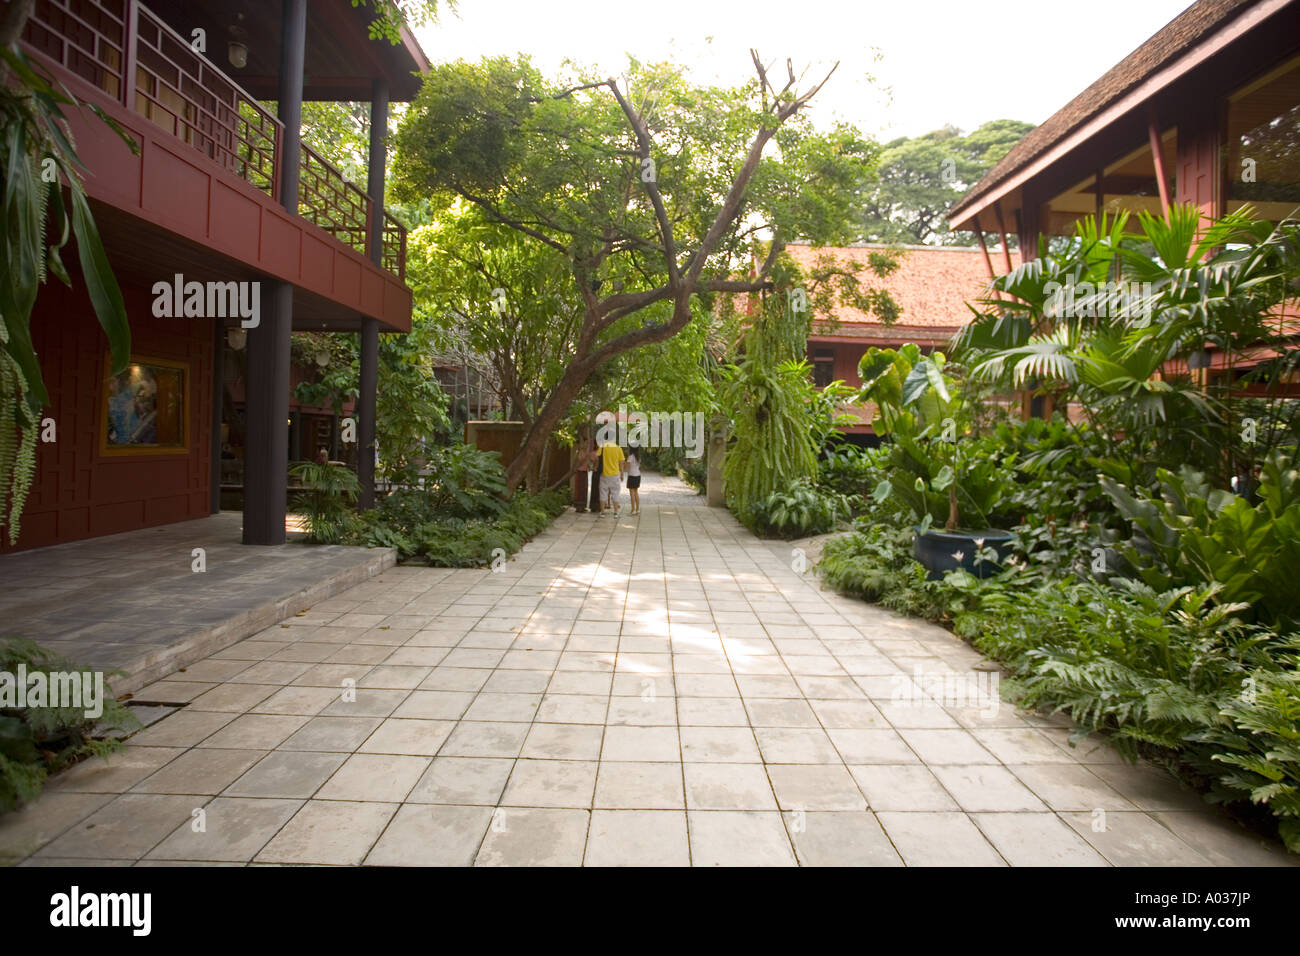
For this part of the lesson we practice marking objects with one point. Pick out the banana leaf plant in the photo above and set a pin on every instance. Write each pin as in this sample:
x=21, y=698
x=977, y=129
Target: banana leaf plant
x=920, y=408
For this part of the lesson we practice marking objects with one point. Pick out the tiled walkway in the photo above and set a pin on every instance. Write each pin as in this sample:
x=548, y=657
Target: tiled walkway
x=657, y=690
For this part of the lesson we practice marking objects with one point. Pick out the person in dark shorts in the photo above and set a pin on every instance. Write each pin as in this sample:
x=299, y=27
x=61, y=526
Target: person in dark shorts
x=634, y=477
x=593, y=472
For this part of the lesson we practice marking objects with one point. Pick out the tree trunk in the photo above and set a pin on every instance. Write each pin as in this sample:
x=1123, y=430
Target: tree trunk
x=547, y=419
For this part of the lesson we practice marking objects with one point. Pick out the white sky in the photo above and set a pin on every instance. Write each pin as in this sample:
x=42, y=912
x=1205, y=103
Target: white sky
x=939, y=61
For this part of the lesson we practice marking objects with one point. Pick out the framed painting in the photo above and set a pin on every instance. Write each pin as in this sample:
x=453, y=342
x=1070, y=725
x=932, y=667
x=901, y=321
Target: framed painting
x=145, y=409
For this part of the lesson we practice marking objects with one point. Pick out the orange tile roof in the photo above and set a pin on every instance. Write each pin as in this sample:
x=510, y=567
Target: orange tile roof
x=932, y=285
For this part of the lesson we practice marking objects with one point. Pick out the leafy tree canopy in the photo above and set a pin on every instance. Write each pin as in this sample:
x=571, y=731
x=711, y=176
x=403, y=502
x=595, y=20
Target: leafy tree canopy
x=923, y=177
x=646, y=192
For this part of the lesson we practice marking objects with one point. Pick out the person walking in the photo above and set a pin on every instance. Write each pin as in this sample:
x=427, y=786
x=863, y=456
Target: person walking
x=581, y=472
x=633, y=460
x=593, y=471
x=612, y=466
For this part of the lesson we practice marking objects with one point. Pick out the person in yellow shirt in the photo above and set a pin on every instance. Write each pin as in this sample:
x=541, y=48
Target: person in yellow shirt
x=612, y=466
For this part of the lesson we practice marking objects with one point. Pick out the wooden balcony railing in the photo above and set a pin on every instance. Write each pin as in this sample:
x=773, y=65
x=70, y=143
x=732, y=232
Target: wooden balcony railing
x=125, y=50
x=329, y=200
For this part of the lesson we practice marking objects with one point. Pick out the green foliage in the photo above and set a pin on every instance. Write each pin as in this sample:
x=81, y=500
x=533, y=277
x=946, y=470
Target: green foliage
x=458, y=543
x=695, y=472
x=1059, y=329
x=932, y=469
x=876, y=564
x=1192, y=533
x=327, y=503
x=38, y=160
x=802, y=511
x=632, y=201
x=922, y=178
x=465, y=482
x=38, y=741
x=1175, y=674
x=851, y=471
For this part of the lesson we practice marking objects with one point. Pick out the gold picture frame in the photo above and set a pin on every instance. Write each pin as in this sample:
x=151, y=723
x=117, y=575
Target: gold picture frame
x=145, y=409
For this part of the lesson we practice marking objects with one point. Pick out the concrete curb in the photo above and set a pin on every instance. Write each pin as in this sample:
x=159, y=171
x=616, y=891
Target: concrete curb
x=205, y=641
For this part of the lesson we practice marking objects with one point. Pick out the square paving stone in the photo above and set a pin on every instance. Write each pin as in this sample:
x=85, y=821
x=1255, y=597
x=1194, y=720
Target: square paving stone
x=938, y=839
x=563, y=741
x=815, y=787
x=381, y=778
x=902, y=787
x=719, y=745
x=334, y=734
x=551, y=783
x=185, y=728
x=503, y=707
x=947, y=747
x=1022, y=746
x=328, y=832
x=535, y=837
x=639, y=786
x=366, y=703
x=711, y=712
x=432, y=836
x=27, y=829
x=234, y=829
x=300, y=701
x=1070, y=787
x=463, y=780
x=484, y=739
x=841, y=839
x=641, y=744
x=730, y=838
x=638, y=838
x=235, y=698
x=796, y=745
x=287, y=774
x=573, y=709
x=115, y=773
x=255, y=732
x=125, y=829
x=728, y=786
x=200, y=772
x=1036, y=839
x=987, y=788
x=1133, y=839
x=435, y=704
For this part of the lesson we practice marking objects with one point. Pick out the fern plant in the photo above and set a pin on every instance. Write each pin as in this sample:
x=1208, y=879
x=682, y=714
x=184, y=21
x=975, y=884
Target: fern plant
x=38, y=741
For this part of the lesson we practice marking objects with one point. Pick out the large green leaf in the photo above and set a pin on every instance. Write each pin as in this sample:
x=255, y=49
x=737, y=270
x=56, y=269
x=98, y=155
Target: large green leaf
x=101, y=284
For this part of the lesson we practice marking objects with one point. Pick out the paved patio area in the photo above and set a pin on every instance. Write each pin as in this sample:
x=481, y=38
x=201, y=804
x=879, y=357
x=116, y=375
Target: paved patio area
x=134, y=601
x=661, y=690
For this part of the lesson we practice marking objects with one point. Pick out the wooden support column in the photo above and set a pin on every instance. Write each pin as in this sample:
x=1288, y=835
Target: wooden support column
x=1158, y=159
x=218, y=396
x=979, y=235
x=368, y=386
x=266, y=461
x=1002, y=228
x=130, y=43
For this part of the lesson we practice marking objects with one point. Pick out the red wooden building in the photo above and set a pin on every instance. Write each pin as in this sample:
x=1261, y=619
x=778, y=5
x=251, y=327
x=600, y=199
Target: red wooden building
x=221, y=191
x=931, y=285
x=1206, y=111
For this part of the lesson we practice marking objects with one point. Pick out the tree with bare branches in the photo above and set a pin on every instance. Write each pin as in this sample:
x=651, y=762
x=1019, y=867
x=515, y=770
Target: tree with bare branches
x=652, y=195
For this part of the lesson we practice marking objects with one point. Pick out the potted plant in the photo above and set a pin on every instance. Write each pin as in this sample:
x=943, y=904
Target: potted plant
x=931, y=473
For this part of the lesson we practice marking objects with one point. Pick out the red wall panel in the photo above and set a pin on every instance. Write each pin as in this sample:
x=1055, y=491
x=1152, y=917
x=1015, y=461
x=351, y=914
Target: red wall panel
x=77, y=492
